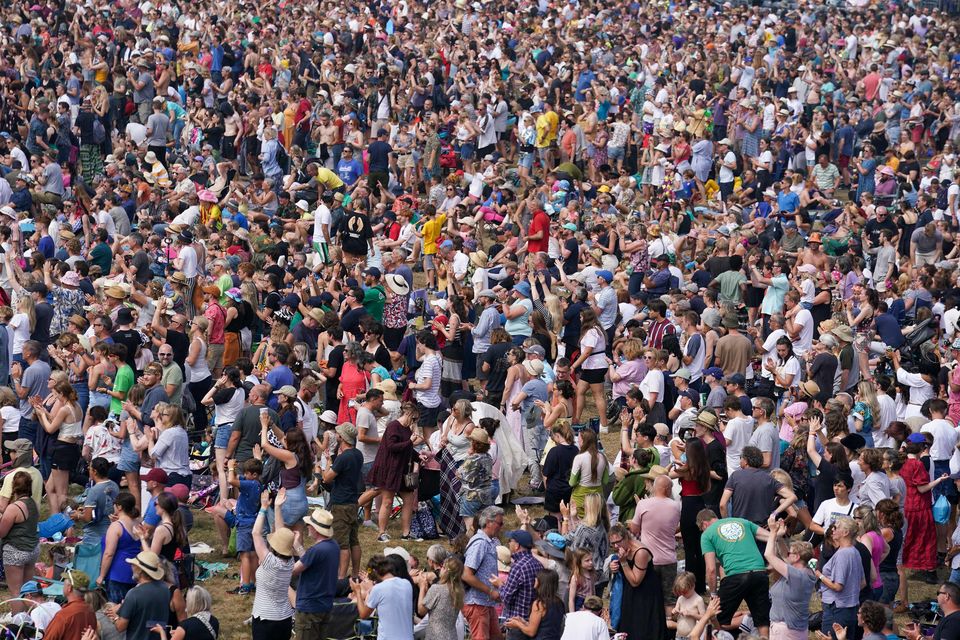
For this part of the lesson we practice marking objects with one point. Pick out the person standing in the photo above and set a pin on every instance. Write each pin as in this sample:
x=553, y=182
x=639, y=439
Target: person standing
x=317, y=569
x=642, y=614
x=149, y=601
x=655, y=522
x=480, y=565
x=842, y=577
x=518, y=591
x=345, y=478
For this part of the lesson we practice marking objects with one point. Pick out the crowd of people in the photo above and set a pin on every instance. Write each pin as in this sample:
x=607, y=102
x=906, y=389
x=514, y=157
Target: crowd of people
x=672, y=287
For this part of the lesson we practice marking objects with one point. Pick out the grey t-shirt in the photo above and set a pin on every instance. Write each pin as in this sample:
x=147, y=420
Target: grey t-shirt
x=767, y=439
x=148, y=92
x=366, y=419
x=754, y=492
x=442, y=624
x=158, y=124
x=100, y=496
x=790, y=598
x=145, y=604
x=925, y=243
x=35, y=378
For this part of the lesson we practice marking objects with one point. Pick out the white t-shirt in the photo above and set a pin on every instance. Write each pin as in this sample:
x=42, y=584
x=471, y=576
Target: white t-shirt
x=803, y=343
x=652, y=383
x=321, y=217
x=584, y=624
x=105, y=220
x=726, y=173
x=829, y=510
x=944, y=438
x=11, y=419
x=737, y=434
x=770, y=349
x=188, y=260
x=21, y=331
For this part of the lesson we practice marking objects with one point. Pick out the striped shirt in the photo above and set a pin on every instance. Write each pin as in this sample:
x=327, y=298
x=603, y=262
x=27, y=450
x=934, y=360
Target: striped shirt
x=270, y=601
x=429, y=368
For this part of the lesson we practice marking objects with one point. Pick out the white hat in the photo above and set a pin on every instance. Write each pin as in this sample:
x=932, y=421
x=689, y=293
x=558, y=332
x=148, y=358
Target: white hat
x=303, y=205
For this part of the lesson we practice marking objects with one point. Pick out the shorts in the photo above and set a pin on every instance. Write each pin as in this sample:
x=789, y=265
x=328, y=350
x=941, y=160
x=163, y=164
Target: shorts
x=405, y=161
x=215, y=356
x=470, y=508
x=221, y=437
x=65, y=456
x=245, y=538
x=843, y=161
x=467, y=151
x=428, y=417
x=616, y=153
x=754, y=587
x=593, y=376
x=526, y=160
x=129, y=459
x=668, y=575
x=780, y=631
x=482, y=621
x=311, y=626
x=346, y=529
x=429, y=264
x=14, y=557
x=364, y=472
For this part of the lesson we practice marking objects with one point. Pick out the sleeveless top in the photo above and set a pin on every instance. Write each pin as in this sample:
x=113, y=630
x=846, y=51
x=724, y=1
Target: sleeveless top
x=551, y=624
x=23, y=535
x=169, y=549
x=198, y=371
x=291, y=478
x=876, y=546
x=127, y=547
x=71, y=430
x=889, y=563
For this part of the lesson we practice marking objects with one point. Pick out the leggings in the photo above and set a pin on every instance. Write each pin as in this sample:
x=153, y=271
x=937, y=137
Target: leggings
x=272, y=629
x=198, y=390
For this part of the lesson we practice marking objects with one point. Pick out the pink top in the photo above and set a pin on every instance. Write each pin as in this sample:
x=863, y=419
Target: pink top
x=658, y=519
x=631, y=374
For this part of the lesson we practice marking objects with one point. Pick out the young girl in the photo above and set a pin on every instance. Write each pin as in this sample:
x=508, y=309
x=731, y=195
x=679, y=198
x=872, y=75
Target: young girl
x=582, y=578
x=690, y=606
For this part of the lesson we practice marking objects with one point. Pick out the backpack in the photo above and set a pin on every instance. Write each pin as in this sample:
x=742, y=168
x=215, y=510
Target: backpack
x=942, y=199
x=99, y=133
x=283, y=159
x=739, y=169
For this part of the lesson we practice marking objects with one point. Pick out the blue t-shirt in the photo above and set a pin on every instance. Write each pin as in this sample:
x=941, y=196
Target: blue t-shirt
x=280, y=376
x=349, y=171
x=889, y=329
x=318, y=582
x=248, y=503
x=788, y=201
x=378, y=154
x=100, y=498
x=150, y=516
x=46, y=247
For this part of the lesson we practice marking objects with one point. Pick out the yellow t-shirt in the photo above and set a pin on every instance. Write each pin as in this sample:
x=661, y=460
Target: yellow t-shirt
x=548, y=125
x=431, y=233
x=328, y=178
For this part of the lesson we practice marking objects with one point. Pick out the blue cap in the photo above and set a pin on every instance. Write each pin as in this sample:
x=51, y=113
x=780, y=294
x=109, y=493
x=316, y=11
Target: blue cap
x=446, y=244
x=917, y=438
x=569, y=226
x=522, y=538
x=523, y=288
x=716, y=372
x=556, y=540
x=606, y=275
x=291, y=300
x=33, y=587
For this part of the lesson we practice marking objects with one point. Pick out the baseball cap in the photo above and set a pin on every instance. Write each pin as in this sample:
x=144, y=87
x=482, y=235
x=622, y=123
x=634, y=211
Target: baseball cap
x=535, y=350
x=917, y=438
x=155, y=475
x=682, y=372
x=522, y=538
x=736, y=378
x=606, y=275
x=716, y=372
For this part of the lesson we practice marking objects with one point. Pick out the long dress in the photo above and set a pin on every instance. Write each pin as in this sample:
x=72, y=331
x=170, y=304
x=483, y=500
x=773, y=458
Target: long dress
x=352, y=382
x=449, y=519
x=642, y=615
x=920, y=545
x=514, y=421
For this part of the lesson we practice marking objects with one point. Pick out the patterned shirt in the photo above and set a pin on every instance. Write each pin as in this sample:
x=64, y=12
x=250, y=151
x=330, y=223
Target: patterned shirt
x=66, y=302
x=518, y=593
x=476, y=476
x=481, y=557
x=395, y=312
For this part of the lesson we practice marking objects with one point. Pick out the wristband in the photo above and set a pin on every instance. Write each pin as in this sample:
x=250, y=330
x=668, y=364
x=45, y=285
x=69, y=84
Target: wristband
x=264, y=511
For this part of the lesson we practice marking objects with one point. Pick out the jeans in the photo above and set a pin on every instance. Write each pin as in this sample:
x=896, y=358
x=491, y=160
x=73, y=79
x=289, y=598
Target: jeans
x=846, y=616
x=117, y=591
x=891, y=584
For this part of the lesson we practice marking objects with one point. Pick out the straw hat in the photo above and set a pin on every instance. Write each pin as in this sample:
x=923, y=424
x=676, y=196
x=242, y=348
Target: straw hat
x=504, y=559
x=149, y=563
x=397, y=284
x=116, y=292
x=281, y=541
x=150, y=158
x=479, y=259
x=389, y=388
x=321, y=520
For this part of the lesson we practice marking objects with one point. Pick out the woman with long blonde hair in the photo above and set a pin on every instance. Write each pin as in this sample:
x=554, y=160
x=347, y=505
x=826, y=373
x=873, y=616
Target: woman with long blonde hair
x=868, y=408
x=23, y=322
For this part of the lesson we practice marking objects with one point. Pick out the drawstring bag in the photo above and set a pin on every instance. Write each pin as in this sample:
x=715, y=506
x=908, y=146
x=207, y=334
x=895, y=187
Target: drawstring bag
x=941, y=510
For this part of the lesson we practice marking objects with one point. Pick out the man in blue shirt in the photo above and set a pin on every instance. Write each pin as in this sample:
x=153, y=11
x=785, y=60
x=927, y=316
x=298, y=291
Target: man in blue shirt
x=479, y=567
x=317, y=569
x=787, y=201
x=349, y=169
x=380, y=160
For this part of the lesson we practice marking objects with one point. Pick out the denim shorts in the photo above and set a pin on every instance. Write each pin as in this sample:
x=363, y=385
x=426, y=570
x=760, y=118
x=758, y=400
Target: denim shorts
x=222, y=437
x=616, y=153
x=526, y=160
x=467, y=151
x=470, y=508
x=244, y=538
x=129, y=459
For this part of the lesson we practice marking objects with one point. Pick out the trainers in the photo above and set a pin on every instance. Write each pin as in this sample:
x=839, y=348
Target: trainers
x=370, y=524
x=383, y=537
x=242, y=590
x=410, y=538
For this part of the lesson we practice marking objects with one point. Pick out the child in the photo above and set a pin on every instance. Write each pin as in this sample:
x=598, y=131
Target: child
x=690, y=606
x=100, y=440
x=582, y=578
x=476, y=476
x=248, y=506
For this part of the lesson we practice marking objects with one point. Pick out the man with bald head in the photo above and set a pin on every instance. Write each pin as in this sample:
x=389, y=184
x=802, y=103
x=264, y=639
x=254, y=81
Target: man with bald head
x=246, y=428
x=655, y=524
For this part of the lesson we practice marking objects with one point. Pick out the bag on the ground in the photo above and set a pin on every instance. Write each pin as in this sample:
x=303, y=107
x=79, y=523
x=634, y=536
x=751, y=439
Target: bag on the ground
x=423, y=525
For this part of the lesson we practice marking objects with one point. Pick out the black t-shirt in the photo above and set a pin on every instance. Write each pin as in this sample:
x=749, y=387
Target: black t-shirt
x=334, y=361
x=874, y=227
x=570, y=264
x=949, y=628
x=824, y=368
x=717, y=265
x=180, y=344
x=142, y=262
x=348, y=484
x=350, y=322
x=132, y=340
x=557, y=467
x=41, y=331
x=354, y=234
x=196, y=629
x=571, y=321
x=496, y=356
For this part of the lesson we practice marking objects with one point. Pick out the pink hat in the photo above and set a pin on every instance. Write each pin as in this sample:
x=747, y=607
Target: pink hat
x=886, y=170
x=70, y=279
x=796, y=409
x=205, y=195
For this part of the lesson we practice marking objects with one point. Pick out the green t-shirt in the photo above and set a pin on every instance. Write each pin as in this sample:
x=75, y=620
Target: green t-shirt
x=102, y=255
x=122, y=383
x=730, y=285
x=374, y=299
x=733, y=541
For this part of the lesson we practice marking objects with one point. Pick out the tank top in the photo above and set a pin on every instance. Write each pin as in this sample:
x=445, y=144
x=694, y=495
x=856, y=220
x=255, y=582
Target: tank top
x=876, y=545
x=169, y=550
x=889, y=563
x=290, y=478
x=227, y=412
x=551, y=624
x=23, y=535
x=198, y=371
x=71, y=430
x=127, y=547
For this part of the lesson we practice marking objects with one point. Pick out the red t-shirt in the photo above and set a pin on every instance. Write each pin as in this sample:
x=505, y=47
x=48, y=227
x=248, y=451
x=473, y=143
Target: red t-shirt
x=540, y=222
